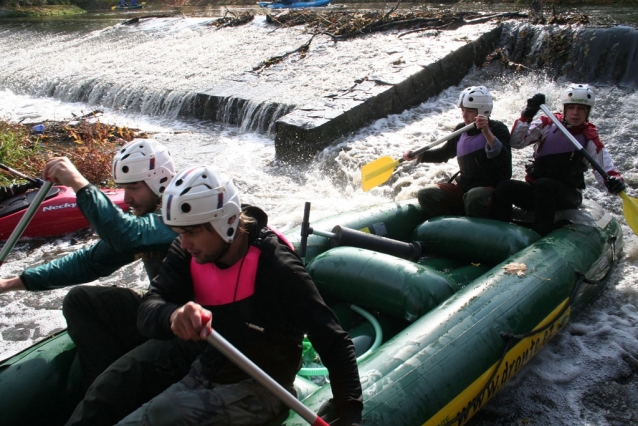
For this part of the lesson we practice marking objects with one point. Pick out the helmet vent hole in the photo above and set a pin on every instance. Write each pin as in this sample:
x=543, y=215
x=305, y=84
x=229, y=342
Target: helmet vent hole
x=186, y=208
x=471, y=99
x=179, y=182
x=230, y=232
x=163, y=180
x=125, y=169
x=161, y=189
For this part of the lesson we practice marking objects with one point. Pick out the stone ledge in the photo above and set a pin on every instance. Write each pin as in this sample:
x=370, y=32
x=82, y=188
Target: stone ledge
x=309, y=129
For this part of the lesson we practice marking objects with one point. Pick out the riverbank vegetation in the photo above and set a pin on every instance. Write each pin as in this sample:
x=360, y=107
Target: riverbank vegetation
x=88, y=143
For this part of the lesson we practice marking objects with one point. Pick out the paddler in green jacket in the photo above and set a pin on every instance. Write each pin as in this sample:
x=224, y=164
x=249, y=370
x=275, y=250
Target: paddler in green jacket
x=102, y=320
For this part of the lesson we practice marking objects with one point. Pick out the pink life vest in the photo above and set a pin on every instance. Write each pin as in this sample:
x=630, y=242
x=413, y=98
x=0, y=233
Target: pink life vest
x=214, y=286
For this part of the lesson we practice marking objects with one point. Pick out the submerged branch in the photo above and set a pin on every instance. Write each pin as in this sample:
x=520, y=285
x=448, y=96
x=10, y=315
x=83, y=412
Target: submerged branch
x=302, y=50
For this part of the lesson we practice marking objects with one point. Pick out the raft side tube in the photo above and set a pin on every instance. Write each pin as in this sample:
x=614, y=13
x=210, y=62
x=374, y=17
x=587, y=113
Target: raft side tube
x=41, y=385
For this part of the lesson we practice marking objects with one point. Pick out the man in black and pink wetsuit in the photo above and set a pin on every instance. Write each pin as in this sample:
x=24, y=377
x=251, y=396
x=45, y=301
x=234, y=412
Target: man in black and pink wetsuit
x=555, y=179
x=229, y=271
x=484, y=159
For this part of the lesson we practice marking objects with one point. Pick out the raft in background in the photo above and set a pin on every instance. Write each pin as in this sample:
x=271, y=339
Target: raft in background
x=442, y=335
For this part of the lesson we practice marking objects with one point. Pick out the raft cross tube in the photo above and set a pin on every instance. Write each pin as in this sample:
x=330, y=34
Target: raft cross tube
x=353, y=238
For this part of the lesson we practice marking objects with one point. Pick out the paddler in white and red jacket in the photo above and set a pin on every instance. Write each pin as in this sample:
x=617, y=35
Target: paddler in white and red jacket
x=229, y=271
x=555, y=179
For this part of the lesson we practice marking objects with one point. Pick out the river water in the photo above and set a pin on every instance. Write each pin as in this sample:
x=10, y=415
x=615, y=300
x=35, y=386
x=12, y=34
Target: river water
x=52, y=69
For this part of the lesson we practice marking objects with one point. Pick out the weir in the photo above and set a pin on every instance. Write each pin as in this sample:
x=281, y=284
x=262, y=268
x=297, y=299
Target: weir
x=301, y=131
x=602, y=56
x=305, y=104
x=300, y=134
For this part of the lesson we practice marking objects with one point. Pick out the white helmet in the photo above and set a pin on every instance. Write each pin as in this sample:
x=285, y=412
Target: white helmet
x=144, y=160
x=203, y=194
x=477, y=97
x=578, y=94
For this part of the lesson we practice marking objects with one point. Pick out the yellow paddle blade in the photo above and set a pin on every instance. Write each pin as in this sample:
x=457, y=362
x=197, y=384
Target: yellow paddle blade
x=630, y=210
x=377, y=172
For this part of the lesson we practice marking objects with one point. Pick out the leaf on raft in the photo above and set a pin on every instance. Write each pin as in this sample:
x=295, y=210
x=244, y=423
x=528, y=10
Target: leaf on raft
x=515, y=268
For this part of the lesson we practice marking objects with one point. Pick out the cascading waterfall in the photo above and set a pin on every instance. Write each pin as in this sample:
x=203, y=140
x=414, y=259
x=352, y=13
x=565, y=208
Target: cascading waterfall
x=249, y=115
x=142, y=69
x=607, y=56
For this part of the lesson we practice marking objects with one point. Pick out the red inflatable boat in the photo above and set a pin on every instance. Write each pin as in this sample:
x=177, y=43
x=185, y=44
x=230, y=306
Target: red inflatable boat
x=57, y=215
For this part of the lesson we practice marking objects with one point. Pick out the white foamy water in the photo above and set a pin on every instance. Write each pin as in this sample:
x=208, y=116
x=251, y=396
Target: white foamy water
x=134, y=66
x=594, y=357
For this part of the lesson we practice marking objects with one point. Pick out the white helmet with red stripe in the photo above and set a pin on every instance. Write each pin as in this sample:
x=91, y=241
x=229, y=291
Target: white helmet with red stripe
x=203, y=194
x=144, y=160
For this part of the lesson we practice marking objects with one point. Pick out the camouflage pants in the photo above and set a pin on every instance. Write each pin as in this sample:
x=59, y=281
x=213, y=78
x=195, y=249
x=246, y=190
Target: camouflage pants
x=199, y=402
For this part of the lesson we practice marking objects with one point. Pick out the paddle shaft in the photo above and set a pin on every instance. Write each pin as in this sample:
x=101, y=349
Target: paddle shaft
x=443, y=139
x=249, y=367
x=17, y=173
x=380, y=170
x=573, y=140
x=24, y=221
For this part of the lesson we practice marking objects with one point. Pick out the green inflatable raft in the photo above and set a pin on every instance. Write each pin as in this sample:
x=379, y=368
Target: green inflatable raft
x=442, y=313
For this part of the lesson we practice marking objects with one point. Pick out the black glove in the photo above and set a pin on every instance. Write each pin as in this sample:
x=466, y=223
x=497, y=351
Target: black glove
x=533, y=106
x=615, y=185
x=38, y=183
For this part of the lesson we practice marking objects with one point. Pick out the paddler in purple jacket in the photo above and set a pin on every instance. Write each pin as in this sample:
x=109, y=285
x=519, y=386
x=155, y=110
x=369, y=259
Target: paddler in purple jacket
x=484, y=159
